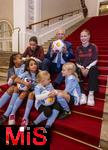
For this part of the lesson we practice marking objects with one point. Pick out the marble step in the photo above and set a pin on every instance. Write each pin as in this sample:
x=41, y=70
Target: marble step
x=104, y=135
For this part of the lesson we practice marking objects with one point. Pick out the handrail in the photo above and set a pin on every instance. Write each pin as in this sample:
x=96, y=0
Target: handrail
x=16, y=28
x=62, y=15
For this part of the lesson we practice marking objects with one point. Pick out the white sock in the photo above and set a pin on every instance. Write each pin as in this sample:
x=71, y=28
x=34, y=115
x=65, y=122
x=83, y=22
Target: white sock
x=91, y=92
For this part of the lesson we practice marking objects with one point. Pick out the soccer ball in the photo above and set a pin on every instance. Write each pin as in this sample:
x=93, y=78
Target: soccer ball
x=22, y=87
x=49, y=101
x=57, y=46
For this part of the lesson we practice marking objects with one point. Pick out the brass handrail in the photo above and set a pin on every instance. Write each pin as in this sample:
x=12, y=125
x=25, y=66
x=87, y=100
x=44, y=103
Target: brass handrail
x=62, y=17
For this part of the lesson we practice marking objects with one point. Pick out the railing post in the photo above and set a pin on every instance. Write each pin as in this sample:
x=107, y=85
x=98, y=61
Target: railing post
x=18, y=28
x=19, y=40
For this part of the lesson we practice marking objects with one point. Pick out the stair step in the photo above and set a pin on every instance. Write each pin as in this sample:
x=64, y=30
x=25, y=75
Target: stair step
x=103, y=57
x=102, y=79
x=3, y=69
x=63, y=142
x=105, y=115
x=97, y=110
x=74, y=126
x=3, y=81
x=104, y=135
x=103, y=63
x=103, y=70
x=3, y=74
x=103, y=52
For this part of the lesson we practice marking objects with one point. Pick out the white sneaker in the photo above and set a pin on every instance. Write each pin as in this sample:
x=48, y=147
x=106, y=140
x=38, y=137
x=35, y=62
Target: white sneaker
x=23, y=125
x=91, y=101
x=83, y=99
x=11, y=120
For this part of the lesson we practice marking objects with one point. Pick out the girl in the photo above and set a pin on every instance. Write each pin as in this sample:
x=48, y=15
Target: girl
x=45, y=100
x=86, y=59
x=72, y=92
x=35, y=51
x=26, y=81
x=16, y=67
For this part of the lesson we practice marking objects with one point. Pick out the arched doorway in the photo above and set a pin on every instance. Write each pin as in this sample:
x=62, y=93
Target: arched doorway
x=5, y=36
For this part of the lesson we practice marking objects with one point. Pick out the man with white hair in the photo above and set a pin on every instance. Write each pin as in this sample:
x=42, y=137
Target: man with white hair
x=57, y=59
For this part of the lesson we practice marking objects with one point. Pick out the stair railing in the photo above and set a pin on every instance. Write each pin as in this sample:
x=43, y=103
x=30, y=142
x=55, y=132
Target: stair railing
x=60, y=17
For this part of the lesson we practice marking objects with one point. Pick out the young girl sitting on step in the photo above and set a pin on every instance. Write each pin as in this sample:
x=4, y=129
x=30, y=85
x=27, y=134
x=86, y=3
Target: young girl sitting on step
x=72, y=92
x=86, y=61
x=16, y=68
x=26, y=83
x=45, y=100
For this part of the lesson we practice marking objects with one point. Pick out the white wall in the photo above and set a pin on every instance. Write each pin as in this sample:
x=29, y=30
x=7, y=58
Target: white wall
x=103, y=0
x=20, y=20
x=51, y=8
x=6, y=10
x=42, y=9
x=92, y=6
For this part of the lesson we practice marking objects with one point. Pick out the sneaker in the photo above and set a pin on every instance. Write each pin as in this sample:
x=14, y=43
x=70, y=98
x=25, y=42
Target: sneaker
x=90, y=101
x=47, y=127
x=64, y=114
x=83, y=99
x=3, y=119
x=23, y=125
x=11, y=120
x=77, y=101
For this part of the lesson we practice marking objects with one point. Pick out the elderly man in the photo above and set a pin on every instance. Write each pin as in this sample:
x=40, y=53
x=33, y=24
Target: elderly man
x=66, y=56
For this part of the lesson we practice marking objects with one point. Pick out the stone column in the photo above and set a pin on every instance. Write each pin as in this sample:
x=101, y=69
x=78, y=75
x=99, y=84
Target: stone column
x=37, y=14
x=25, y=12
x=20, y=18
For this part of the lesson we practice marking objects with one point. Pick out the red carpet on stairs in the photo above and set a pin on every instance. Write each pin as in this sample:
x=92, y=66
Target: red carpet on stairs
x=81, y=131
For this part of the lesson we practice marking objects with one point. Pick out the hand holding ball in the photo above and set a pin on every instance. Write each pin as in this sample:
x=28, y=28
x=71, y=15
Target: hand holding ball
x=23, y=87
x=45, y=96
x=58, y=46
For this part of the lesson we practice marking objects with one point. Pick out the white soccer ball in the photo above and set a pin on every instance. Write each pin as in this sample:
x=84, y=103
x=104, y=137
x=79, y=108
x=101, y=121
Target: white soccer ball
x=22, y=87
x=57, y=46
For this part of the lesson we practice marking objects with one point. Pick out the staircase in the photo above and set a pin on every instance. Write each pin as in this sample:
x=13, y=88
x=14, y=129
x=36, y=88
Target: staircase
x=68, y=32
x=4, y=56
x=87, y=127
x=4, y=62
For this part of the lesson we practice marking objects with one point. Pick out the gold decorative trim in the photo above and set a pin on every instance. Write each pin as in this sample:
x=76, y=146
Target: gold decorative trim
x=71, y=138
x=95, y=117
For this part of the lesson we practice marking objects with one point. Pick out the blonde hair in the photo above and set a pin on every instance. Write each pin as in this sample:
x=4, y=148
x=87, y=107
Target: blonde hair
x=71, y=66
x=42, y=75
x=86, y=30
x=60, y=30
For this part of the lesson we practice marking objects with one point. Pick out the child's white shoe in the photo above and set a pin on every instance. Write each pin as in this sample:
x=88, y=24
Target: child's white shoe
x=91, y=101
x=83, y=99
x=23, y=125
x=11, y=120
